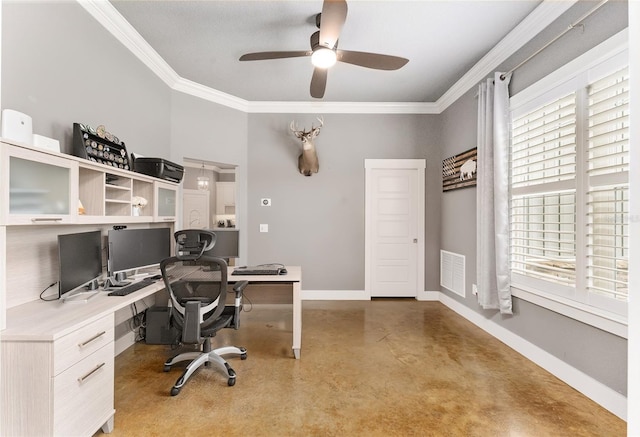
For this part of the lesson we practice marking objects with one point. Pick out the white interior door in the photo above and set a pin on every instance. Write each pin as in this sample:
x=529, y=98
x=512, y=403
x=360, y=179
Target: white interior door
x=394, y=227
x=195, y=209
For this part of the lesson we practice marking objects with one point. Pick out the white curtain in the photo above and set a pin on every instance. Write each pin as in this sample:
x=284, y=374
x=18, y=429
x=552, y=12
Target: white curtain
x=492, y=223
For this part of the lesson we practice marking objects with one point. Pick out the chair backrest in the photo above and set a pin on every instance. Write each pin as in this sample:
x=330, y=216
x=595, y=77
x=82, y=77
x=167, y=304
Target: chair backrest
x=192, y=243
x=206, y=284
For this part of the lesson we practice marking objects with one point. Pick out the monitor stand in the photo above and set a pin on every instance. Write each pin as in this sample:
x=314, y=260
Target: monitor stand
x=82, y=294
x=113, y=282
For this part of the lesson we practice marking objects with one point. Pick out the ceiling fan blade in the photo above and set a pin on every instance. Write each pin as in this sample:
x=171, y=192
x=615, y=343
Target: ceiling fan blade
x=334, y=14
x=261, y=56
x=318, y=82
x=371, y=60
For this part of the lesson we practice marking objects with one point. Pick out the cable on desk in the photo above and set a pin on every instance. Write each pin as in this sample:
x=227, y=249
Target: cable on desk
x=43, y=291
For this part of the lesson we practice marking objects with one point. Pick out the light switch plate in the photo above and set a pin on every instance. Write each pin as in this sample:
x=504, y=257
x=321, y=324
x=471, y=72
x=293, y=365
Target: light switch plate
x=264, y=227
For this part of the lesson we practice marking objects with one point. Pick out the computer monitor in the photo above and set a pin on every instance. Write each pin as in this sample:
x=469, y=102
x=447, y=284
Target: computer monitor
x=227, y=244
x=131, y=249
x=80, y=260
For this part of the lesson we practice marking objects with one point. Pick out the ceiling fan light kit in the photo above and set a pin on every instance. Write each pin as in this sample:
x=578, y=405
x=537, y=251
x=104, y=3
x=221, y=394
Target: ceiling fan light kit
x=323, y=57
x=324, y=53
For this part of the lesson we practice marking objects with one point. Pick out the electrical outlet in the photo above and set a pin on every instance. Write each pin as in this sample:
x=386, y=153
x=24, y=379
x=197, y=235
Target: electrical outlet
x=264, y=227
x=265, y=202
x=474, y=289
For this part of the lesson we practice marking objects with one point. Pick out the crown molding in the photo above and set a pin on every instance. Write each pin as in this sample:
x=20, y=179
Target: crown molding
x=343, y=107
x=121, y=29
x=534, y=23
x=109, y=17
x=204, y=92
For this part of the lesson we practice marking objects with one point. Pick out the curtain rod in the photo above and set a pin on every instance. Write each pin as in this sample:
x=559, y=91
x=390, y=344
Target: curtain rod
x=577, y=23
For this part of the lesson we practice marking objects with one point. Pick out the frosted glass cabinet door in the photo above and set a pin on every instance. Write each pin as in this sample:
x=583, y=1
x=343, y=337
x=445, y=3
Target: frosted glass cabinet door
x=165, y=202
x=41, y=188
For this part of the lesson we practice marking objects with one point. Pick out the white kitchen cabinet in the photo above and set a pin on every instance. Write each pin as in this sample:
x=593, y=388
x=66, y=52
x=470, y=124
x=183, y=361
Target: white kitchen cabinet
x=225, y=198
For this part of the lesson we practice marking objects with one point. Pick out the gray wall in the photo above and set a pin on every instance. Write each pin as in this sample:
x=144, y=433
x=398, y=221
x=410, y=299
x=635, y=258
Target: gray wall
x=600, y=355
x=204, y=130
x=318, y=221
x=60, y=66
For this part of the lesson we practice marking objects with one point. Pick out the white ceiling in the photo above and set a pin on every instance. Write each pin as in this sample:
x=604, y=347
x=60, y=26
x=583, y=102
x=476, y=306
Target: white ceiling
x=202, y=41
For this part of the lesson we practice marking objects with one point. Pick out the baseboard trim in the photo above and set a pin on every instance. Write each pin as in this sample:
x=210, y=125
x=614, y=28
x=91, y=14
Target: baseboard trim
x=613, y=401
x=428, y=296
x=358, y=295
x=335, y=295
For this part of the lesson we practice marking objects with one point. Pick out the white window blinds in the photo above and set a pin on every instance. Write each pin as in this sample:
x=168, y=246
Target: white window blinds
x=569, y=191
x=543, y=203
x=608, y=193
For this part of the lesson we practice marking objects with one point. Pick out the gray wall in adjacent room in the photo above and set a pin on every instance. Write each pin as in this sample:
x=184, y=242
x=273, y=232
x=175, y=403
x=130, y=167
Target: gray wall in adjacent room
x=601, y=355
x=318, y=221
x=60, y=66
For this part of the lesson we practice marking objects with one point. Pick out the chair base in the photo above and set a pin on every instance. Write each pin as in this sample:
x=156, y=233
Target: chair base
x=204, y=358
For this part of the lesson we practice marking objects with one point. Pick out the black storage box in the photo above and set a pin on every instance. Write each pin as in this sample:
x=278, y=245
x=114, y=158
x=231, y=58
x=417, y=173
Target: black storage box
x=159, y=168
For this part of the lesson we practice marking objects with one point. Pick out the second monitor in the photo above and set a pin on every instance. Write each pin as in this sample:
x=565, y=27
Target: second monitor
x=131, y=249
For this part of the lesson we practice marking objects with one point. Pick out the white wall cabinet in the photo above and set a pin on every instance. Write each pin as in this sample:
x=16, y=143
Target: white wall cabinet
x=165, y=202
x=37, y=190
x=225, y=198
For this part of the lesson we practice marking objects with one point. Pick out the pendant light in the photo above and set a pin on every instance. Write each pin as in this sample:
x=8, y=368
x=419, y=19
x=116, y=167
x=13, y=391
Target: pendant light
x=203, y=181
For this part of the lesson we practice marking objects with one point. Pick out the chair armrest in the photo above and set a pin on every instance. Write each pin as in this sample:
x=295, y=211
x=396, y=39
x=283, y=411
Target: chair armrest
x=191, y=324
x=239, y=287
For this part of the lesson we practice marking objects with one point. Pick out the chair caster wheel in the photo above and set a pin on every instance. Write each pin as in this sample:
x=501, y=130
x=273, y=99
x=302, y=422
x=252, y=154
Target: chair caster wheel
x=175, y=391
x=231, y=382
x=243, y=356
x=166, y=368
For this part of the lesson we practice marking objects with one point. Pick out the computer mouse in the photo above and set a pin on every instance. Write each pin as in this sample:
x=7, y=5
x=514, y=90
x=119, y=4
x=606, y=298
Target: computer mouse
x=283, y=271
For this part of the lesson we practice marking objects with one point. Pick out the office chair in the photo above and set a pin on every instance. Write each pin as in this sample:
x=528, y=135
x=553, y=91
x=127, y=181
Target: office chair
x=198, y=302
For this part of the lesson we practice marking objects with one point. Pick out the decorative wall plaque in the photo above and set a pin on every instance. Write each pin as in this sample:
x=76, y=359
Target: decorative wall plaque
x=460, y=171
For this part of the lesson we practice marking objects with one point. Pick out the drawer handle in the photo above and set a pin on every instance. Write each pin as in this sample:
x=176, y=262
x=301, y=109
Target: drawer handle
x=95, y=337
x=168, y=219
x=48, y=219
x=82, y=379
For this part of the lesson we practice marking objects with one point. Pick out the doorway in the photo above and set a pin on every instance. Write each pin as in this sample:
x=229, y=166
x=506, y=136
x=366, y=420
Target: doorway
x=394, y=227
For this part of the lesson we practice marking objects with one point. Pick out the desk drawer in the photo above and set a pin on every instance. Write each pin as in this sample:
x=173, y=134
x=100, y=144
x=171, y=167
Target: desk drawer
x=81, y=343
x=83, y=394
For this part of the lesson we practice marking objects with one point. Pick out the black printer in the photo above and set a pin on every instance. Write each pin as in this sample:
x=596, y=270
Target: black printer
x=158, y=168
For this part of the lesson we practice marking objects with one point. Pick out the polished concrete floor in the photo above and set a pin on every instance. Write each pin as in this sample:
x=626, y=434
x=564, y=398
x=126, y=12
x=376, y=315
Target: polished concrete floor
x=378, y=368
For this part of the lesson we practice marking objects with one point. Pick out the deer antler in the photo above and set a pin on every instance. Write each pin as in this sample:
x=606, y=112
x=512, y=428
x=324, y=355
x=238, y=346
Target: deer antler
x=294, y=128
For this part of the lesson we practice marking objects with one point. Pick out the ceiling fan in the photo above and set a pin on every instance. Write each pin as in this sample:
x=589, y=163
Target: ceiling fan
x=324, y=49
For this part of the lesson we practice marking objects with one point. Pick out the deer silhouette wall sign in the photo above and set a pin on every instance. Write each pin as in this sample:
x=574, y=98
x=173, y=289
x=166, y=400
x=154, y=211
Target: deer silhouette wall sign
x=308, y=159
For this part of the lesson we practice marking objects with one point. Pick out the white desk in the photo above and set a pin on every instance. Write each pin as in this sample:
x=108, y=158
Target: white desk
x=57, y=360
x=293, y=278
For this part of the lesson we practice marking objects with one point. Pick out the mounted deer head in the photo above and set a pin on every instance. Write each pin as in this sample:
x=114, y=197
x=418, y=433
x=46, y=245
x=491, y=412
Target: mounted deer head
x=308, y=159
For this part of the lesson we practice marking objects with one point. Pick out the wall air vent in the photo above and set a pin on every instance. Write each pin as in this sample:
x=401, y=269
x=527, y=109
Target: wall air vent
x=452, y=272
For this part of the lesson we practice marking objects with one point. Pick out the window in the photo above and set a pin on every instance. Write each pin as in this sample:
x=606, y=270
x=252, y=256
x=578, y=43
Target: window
x=569, y=189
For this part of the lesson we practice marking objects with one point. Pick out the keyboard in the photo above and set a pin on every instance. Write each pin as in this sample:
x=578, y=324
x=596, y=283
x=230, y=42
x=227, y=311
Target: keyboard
x=128, y=289
x=257, y=271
